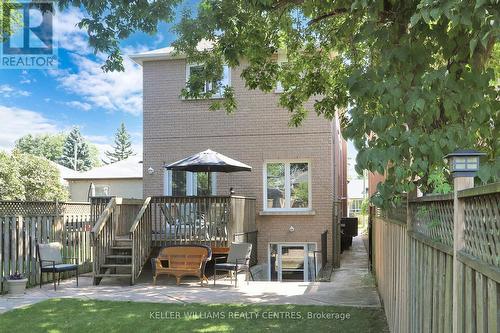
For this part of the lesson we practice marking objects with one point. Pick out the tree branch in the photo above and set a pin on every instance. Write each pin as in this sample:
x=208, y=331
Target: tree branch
x=334, y=12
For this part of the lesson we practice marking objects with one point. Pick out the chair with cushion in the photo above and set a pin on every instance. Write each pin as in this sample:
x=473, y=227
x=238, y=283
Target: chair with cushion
x=183, y=260
x=52, y=261
x=238, y=259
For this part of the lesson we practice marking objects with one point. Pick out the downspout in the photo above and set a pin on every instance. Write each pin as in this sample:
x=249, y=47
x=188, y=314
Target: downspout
x=335, y=208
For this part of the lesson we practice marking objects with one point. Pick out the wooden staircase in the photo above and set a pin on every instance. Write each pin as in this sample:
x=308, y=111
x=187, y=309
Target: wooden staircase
x=117, y=264
x=121, y=246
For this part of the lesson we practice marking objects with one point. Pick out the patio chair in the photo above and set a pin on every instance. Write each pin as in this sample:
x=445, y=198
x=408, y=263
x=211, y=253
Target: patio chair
x=51, y=260
x=238, y=259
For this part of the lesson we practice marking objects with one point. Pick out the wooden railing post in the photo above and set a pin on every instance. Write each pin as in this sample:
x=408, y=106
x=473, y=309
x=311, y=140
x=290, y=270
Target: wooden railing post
x=459, y=183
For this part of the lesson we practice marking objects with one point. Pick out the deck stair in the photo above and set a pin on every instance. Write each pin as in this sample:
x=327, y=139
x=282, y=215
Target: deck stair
x=118, y=252
x=117, y=264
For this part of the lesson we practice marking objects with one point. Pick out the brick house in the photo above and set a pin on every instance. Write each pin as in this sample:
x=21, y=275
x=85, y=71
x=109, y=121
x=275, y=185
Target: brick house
x=298, y=176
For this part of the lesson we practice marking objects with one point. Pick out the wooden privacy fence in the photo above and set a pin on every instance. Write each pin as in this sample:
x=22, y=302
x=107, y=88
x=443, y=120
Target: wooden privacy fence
x=23, y=224
x=438, y=270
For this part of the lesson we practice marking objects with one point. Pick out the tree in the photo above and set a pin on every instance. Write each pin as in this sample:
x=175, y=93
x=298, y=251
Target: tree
x=413, y=80
x=76, y=152
x=40, y=178
x=49, y=146
x=123, y=146
x=11, y=186
x=28, y=177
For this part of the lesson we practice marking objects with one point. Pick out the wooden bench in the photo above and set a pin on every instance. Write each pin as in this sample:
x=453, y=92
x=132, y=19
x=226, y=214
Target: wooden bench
x=183, y=260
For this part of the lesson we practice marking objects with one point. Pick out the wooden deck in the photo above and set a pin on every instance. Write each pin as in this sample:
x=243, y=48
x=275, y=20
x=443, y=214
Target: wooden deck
x=136, y=228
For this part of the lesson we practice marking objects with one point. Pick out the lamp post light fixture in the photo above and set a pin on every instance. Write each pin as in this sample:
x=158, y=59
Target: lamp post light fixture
x=464, y=163
x=151, y=170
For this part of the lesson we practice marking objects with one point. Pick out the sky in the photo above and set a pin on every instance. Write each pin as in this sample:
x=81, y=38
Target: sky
x=78, y=92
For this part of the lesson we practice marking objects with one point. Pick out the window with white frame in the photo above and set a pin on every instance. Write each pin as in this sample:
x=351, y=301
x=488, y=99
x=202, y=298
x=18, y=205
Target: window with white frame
x=205, y=86
x=182, y=183
x=287, y=186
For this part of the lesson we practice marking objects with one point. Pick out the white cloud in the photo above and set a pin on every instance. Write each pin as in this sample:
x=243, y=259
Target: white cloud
x=112, y=91
x=17, y=122
x=78, y=105
x=98, y=139
x=8, y=91
x=67, y=33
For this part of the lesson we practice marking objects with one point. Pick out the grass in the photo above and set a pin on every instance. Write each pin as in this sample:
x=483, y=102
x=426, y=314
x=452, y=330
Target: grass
x=77, y=315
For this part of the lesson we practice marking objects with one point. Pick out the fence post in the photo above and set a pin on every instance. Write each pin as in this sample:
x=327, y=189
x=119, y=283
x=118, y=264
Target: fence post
x=409, y=229
x=58, y=223
x=459, y=183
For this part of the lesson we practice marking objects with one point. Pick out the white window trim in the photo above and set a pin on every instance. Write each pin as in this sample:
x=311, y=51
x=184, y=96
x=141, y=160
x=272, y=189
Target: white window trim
x=191, y=182
x=306, y=262
x=287, y=186
x=216, y=95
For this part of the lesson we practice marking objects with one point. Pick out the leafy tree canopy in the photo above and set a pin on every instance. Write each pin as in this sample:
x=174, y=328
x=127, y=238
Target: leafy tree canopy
x=122, y=148
x=416, y=79
x=11, y=186
x=49, y=146
x=28, y=177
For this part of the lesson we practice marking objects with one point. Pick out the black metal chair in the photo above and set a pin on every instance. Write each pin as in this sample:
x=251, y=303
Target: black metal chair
x=52, y=261
x=238, y=260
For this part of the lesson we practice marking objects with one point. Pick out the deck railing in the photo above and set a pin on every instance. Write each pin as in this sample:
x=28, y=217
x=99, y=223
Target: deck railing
x=210, y=220
x=103, y=235
x=140, y=233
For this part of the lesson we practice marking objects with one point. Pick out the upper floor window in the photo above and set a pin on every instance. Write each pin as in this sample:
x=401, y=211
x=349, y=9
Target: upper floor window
x=287, y=186
x=206, y=86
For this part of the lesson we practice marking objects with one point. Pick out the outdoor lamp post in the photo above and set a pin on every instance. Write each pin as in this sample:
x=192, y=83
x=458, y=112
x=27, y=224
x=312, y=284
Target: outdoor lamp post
x=463, y=167
x=464, y=163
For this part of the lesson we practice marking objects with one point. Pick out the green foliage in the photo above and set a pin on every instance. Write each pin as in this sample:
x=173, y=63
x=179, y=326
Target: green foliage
x=11, y=186
x=438, y=181
x=365, y=207
x=416, y=78
x=49, y=146
x=122, y=148
x=10, y=19
x=84, y=160
x=40, y=178
x=28, y=177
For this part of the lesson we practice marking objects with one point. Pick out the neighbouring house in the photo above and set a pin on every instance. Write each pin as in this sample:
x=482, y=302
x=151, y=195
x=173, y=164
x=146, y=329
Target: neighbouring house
x=64, y=173
x=122, y=179
x=357, y=190
x=298, y=176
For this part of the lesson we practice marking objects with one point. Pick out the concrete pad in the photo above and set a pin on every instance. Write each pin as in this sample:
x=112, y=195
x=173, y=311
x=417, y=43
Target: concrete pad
x=351, y=285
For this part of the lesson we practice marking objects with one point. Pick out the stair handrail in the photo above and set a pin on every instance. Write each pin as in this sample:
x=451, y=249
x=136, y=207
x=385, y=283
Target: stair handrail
x=102, y=236
x=104, y=216
x=141, y=233
x=137, y=219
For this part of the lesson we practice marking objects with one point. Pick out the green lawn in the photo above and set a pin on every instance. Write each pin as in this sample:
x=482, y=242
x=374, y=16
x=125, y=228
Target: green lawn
x=73, y=315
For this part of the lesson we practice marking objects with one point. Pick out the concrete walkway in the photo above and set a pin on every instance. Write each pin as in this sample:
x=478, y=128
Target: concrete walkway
x=351, y=285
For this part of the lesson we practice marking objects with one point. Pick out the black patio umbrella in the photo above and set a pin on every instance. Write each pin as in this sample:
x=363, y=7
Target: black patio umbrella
x=208, y=161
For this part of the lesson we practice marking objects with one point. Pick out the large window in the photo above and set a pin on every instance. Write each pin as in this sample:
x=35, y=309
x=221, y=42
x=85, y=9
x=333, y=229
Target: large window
x=205, y=86
x=287, y=186
x=181, y=183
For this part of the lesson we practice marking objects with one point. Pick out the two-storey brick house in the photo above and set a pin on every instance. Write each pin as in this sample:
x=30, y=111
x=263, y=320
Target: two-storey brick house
x=298, y=173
